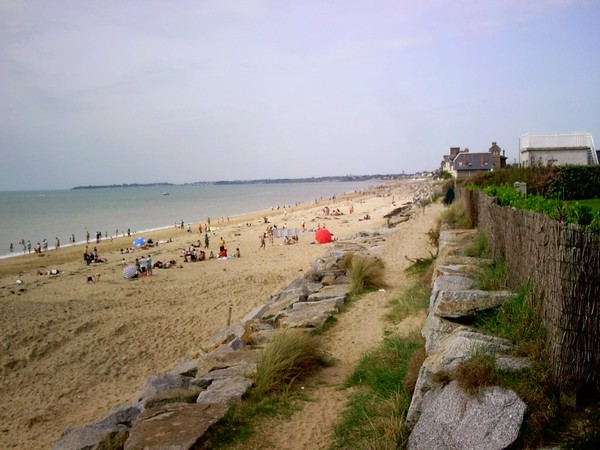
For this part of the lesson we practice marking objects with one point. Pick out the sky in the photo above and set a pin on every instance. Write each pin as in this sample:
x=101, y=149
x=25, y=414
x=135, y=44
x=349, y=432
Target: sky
x=111, y=92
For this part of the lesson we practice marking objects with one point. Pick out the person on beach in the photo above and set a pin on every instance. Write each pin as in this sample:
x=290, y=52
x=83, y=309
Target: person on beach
x=221, y=245
x=11, y=248
x=263, y=243
x=237, y=253
x=57, y=244
x=149, y=265
x=206, y=241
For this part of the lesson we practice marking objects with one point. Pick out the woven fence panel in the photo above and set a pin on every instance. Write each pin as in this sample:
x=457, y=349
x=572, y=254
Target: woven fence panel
x=563, y=263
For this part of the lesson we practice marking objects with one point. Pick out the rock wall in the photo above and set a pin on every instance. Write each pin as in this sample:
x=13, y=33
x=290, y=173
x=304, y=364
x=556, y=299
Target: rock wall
x=443, y=415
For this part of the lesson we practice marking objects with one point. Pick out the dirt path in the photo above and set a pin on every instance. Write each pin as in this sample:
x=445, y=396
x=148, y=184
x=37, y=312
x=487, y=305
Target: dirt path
x=358, y=330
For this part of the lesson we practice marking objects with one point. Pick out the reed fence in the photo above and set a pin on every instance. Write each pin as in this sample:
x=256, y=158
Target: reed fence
x=563, y=263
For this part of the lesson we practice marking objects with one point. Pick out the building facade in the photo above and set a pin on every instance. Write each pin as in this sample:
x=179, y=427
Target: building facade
x=546, y=149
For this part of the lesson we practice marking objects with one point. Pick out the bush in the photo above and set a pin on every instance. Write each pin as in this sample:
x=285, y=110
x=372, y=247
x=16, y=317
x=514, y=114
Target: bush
x=291, y=356
x=365, y=273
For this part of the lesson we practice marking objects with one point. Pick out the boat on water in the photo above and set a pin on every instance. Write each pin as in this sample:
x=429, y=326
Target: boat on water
x=165, y=193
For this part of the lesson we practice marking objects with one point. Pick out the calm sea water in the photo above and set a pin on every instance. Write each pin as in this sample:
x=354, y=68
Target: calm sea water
x=35, y=215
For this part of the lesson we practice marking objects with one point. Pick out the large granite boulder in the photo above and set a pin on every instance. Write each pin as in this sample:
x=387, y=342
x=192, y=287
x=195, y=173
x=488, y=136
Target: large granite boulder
x=449, y=283
x=452, y=242
x=223, y=359
x=468, y=302
x=461, y=344
x=174, y=427
x=187, y=367
x=333, y=291
x=227, y=335
x=156, y=384
x=435, y=330
x=225, y=390
x=452, y=419
x=311, y=317
x=114, y=427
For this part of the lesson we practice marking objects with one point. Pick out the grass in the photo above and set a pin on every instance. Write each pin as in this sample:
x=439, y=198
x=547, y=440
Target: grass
x=494, y=277
x=292, y=355
x=374, y=416
x=384, y=379
x=456, y=216
x=480, y=248
x=519, y=321
x=593, y=203
x=365, y=272
x=413, y=300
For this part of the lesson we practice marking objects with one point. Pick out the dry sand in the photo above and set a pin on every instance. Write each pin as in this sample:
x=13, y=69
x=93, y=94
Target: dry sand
x=72, y=350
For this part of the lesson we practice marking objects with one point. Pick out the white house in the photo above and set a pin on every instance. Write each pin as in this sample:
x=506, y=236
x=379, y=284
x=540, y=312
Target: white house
x=557, y=148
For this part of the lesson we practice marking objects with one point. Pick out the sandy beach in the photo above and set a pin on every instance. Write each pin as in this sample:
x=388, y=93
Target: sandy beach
x=72, y=350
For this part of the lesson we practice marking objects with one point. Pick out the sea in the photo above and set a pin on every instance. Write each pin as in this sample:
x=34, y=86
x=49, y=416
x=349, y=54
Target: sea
x=37, y=215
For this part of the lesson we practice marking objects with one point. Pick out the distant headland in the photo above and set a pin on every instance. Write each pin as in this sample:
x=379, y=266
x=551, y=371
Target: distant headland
x=344, y=178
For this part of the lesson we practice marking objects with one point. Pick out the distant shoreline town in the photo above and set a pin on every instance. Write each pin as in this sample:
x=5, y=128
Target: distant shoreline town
x=345, y=178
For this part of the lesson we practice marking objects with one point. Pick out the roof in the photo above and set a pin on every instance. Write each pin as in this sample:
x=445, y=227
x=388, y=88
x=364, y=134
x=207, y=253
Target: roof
x=576, y=140
x=473, y=161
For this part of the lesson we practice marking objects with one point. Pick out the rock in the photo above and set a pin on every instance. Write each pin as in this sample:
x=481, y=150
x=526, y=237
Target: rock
x=435, y=330
x=112, y=427
x=221, y=360
x=458, y=346
x=173, y=427
x=334, y=291
x=328, y=264
x=187, y=367
x=240, y=370
x=261, y=337
x=343, y=279
x=451, y=419
x=172, y=396
x=300, y=286
x=312, y=318
x=452, y=242
x=468, y=302
x=155, y=384
x=227, y=335
x=334, y=304
x=235, y=344
x=255, y=314
x=449, y=283
x=225, y=390
x=281, y=305
x=328, y=280
x=469, y=270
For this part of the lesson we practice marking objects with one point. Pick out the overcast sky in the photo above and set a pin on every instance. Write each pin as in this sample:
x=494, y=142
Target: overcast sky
x=103, y=92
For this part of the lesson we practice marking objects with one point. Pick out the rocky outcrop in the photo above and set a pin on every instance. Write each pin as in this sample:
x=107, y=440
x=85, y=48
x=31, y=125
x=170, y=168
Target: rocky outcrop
x=443, y=415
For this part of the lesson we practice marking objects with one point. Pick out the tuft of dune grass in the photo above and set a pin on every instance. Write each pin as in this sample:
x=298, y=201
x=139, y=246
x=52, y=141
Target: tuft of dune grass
x=291, y=356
